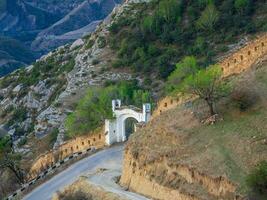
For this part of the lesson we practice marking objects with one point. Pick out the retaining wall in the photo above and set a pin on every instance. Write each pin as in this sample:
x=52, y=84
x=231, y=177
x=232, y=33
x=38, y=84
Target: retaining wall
x=96, y=140
x=236, y=63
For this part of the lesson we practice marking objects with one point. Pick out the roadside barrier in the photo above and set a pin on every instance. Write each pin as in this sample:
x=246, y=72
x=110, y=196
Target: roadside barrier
x=48, y=171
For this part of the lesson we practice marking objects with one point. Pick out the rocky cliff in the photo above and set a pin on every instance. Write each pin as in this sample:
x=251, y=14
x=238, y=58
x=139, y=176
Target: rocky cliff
x=38, y=98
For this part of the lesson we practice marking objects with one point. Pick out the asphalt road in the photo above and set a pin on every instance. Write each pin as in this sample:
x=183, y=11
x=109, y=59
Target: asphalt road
x=110, y=159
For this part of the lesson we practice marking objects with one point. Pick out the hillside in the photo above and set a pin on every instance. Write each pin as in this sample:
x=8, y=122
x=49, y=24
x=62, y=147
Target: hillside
x=41, y=26
x=13, y=54
x=131, y=55
x=177, y=154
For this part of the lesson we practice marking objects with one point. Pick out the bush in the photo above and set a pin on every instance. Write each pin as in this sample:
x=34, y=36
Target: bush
x=89, y=44
x=53, y=136
x=69, y=65
x=19, y=115
x=95, y=62
x=22, y=141
x=244, y=98
x=74, y=195
x=101, y=42
x=208, y=18
x=257, y=179
x=118, y=63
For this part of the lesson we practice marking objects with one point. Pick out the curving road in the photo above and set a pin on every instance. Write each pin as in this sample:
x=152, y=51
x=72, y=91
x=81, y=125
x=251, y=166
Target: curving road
x=109, y=159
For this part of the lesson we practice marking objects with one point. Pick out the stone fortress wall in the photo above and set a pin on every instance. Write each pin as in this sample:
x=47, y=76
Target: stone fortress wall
x=235, y=63
x=94, y=140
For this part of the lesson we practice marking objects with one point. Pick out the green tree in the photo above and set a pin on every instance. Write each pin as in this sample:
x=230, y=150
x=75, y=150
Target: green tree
x=141, y=97
x=147, y=25
x=207, y=84
x=91, y=111
x=170, y=10
x=95, y=106
x=183, y=69
x=240, y=5
x=208, y=19
x=10, y=160
x=257, y=179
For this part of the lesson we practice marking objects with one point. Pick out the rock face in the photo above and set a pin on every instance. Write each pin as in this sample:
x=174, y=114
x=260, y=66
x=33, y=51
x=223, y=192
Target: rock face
x=47, y=90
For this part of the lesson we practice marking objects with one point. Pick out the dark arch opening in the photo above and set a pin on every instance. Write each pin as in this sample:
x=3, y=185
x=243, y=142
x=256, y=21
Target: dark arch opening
x=129, y=124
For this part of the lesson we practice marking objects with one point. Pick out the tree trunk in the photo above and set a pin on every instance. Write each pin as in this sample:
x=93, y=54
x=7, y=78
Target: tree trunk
x=17, y=173
x=211, y=109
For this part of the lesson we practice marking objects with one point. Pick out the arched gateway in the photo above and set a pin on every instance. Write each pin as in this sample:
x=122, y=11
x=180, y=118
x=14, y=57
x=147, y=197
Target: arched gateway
x=115, y=128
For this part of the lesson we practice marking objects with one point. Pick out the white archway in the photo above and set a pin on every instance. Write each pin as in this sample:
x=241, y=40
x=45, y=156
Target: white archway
x=115, y=128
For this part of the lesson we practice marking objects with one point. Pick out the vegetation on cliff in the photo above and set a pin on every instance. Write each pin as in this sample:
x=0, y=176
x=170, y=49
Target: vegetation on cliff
x=152, y=37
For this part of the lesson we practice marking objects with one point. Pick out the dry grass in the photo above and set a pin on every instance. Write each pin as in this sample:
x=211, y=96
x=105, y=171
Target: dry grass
x=230, y=148
x=82, y=190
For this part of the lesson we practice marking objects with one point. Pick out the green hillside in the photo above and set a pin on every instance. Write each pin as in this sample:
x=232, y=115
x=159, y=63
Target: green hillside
x=2, y=6
x=152, y=37
x=14, y=53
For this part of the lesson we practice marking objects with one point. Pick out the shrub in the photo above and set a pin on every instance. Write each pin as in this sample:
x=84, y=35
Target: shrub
x=74, y=195
x=241, y=4
x=22, y=141
x=95, y=62
x=117, y=63
x=89, y=44
x=244, y=98
x=53, y=136
x=208, y=18
x=101, y=42
x=257, y=179
x=19, y=115
x=69, y=65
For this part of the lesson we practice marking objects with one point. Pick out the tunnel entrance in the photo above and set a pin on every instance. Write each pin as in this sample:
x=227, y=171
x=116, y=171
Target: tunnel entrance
x=130, y=126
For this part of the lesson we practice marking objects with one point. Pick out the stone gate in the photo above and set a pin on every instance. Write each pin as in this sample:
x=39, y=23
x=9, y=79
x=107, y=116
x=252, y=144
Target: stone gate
x=115, y=128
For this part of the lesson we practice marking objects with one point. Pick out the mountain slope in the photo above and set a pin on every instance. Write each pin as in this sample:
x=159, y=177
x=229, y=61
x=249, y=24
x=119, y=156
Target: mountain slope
x=36, y=100
x=13, y=54
x=86, y=16
x=186, y=159
x=44, y=25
